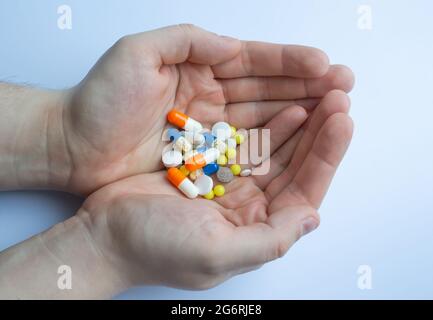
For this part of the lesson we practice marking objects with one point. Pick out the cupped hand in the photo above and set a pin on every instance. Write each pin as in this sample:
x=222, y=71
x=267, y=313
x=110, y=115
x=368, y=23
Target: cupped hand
x=114, y=119
x=150, y=233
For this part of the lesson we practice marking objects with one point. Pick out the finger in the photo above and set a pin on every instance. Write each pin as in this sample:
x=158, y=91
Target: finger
x=282, y=127
x=285, y=88
x=269, y=59
x=258, y=243
x=256, y=114
x=260, y=144
x=185, y=42
x=314, y=177
x=334, y=102
x=278, y=162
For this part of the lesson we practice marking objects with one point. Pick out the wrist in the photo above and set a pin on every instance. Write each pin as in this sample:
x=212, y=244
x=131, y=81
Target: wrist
x=33, y=152
x=72, y=244
x=31, y=269
x=112, y=246
x=127, y=254
x=58, y=158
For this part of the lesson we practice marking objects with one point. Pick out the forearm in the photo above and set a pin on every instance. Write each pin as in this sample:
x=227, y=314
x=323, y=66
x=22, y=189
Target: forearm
x=33, y=153
x=29, y=270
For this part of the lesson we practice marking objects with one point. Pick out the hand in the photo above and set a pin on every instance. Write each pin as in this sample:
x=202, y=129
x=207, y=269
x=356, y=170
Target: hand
x=114, y=119
x=152, y=234
x=109, y=127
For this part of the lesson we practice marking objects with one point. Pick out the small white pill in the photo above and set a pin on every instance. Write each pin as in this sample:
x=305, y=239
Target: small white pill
x=195, y=174
x=199, y=139
x=182, y=144
x=231, y=143
x=222, y=131
x=220, y=145
x=245, y=173
x=204, y=184
x=172, y=158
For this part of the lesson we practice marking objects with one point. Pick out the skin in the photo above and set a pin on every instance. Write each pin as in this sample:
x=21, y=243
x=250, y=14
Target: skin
x=104, y=140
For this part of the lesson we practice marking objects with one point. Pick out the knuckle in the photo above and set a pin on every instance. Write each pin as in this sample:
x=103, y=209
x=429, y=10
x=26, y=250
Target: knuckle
x=211, y=262
x=187, y=27
x=281, y=249
x=133, y=48
x=124, y=42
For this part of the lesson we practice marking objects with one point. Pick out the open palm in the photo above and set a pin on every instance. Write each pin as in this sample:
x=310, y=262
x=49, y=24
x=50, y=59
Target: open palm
x=162, y=237
x=115, y=117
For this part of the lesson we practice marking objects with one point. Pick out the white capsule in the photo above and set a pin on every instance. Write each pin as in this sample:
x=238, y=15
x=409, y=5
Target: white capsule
x=183, y=121
x=221, y=130
x=211, y=155
x=192, y=125
x=172, y=158
x=202, y=159
x=178, y=179
x=188, y=188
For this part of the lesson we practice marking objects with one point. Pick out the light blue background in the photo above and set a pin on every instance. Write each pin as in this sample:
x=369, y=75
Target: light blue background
x=379, y=210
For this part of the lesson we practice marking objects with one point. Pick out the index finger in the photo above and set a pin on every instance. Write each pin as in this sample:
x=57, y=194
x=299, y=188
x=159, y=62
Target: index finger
x=270, y=59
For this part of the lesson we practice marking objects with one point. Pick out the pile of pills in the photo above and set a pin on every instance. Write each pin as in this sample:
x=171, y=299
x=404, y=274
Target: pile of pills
x=196, y=155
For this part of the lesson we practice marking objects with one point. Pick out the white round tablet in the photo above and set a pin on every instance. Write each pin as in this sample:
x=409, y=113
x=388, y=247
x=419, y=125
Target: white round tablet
x=221, y=130
x=204, y=184
x=198, y=139
x=172, y=158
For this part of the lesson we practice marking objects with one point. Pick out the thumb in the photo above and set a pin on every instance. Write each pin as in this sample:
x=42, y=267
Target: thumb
x=256, y=244
x=186, y=42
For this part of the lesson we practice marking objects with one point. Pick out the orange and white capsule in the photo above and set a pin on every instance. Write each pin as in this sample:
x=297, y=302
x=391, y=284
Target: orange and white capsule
x=183, y=121
x=201, y=159
x=180, y=181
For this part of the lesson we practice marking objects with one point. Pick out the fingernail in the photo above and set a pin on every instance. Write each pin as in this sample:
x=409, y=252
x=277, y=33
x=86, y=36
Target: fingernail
x=308, y=225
